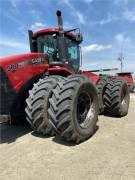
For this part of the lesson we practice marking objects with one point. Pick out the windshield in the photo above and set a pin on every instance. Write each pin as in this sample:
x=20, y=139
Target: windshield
x=48, y=44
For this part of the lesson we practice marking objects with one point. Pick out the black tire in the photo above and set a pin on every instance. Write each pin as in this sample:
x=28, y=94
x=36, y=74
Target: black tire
x=72, y=120
x=132, y=88
x=101, y=84
x=116, y=98
x=37, y=104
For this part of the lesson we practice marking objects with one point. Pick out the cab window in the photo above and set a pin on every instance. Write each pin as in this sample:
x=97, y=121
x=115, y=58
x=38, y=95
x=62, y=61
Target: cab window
x=73, y=53
x=48, y=45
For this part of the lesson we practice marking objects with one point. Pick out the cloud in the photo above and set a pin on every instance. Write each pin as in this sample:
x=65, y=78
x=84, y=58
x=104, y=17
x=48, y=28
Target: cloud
x=35, y=14
x=129, y=15
x=7, y=42
x=81, y=17
x=37, y=26
x=88, y=1
x=122, y=39
x=67, y=2
x=68, y=25
x=74, y=11
x=14, y=3
x=123, y=2
x=110, y=18
x=10, y=46
x=12, y=18
x=86, y=65
x=95, y=48
x=125, y=12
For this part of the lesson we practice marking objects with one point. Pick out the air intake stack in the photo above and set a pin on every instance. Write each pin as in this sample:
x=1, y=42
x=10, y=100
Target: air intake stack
x=60, y=23
x=62, y=45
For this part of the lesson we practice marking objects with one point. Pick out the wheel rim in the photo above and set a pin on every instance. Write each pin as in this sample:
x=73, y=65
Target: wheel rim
x=85, y=110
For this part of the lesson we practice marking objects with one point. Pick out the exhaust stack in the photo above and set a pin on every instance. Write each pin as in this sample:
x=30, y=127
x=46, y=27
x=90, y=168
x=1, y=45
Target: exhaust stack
x=61, y=40
x=60, y=22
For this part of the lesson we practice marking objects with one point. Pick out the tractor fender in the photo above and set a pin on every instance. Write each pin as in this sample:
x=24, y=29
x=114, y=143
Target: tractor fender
x=18, y=105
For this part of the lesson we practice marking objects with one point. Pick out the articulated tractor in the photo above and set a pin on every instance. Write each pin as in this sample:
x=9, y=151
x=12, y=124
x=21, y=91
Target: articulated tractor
x=47, y=88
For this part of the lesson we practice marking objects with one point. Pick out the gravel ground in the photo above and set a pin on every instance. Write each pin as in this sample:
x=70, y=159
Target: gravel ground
x=109, y=154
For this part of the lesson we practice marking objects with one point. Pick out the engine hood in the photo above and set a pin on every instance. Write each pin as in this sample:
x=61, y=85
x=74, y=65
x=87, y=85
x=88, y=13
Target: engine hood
x=21, y=57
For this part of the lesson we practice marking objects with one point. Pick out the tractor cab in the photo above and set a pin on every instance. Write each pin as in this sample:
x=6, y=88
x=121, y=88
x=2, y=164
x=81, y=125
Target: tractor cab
x=62, y=47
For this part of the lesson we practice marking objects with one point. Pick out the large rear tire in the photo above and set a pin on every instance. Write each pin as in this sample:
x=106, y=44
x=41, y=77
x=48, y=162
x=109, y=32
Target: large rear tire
x=73, y=109
x=116, y=98
x=37, y=104
x=101, y=84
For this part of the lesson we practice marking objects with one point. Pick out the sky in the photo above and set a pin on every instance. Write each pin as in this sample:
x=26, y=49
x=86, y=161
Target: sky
x=108, y=28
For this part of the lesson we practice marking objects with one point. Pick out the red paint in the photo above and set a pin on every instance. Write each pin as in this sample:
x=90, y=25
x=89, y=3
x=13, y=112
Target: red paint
x=59, y=71
x=18, y=58
x=21, y=75
x=125, y=76
x=46, y=31
x=53, y=30
x=92, y=76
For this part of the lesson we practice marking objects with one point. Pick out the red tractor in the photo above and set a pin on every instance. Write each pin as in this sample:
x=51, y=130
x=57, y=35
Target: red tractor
x=47, y=88
x=129, y=78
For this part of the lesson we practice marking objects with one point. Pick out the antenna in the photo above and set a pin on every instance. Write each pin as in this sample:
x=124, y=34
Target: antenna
x=121, y=58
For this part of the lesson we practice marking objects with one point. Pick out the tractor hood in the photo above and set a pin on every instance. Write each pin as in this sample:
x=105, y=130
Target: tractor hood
x=17, y=73
x=35, y=58
x=19, y=69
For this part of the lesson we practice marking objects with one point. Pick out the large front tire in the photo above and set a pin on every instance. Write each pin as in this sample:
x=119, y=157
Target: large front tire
x=37, y=104
x=73, y=110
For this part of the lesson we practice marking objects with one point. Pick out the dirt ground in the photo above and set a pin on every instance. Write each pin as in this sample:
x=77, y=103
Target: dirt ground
x=109, y=154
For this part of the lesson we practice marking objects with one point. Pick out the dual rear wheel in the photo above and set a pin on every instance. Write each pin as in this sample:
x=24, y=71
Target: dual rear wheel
x=67, y=106
x=113, y=97
x=116, y=98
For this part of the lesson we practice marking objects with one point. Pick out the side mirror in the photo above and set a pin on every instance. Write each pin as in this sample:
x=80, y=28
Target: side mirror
x=79, y=37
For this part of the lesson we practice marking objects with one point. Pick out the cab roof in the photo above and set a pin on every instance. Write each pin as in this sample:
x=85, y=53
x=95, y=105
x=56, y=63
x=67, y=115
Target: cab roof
x=53, y=30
